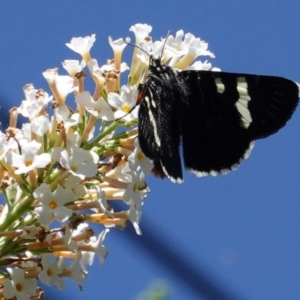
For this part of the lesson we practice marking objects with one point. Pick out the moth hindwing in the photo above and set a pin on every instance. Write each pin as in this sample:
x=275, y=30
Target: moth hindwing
x=216, y=115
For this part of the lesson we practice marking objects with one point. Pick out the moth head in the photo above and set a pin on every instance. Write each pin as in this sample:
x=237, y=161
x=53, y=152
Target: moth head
x=155, y=62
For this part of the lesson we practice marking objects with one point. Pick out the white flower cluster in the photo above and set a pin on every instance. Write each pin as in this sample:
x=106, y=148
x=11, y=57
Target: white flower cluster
x=61, y=169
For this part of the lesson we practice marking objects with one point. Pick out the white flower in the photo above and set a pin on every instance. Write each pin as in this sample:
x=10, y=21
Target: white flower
x=82, y=46
x=40, y=125
x=76, y=273
x=117, y=45
x=96, y=72
x=95, y=246
x=124, y=103
x=87, y=258
x=111, y=68
x=64, y=84
x=74, y=119
x=135, y=191
x=102, y=203
x=35, y=101
x=141, y=31
x=99, y=108
x=79, y=162
x=73, y=139
x=70, y=244
x=30, y=159
x=185, y=49
x=18, y=286
x=29, y=232
x=52, y=203
x=138, y=159
x=6, y=146
x=73, y=184
x=73, y=66
x=99, y=249
x=134, y=216
x=23, y=136
x=189, y=44
x=51, y=271
x=120, y=172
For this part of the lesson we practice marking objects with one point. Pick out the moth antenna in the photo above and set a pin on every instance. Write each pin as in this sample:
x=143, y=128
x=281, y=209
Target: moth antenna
x=136, y=46
x=163, y=47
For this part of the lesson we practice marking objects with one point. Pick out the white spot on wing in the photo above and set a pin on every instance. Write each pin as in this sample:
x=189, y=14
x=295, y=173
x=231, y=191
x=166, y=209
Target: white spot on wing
x=199, y=174
x=210, y=173
x=152, y=120
x=152, y=101
x=298, y=87
x=243, y=101
x=248, y=152
x=220, y=85
x=225, y=171
x=175, y=180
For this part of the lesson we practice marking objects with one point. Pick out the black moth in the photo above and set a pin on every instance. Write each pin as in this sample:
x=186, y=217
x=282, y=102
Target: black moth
x=215, y=115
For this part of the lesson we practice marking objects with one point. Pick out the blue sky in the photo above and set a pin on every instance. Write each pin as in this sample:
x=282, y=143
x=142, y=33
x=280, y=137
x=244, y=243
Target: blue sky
x=240, y=230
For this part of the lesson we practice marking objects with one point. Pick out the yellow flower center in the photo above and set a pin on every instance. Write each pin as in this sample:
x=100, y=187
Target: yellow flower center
x=53, y=204
x=126, y=108
x=86, y=56
x=49, y=272
x=28, y=162
x=19, y=287
x=74, y=168
x=140, y=155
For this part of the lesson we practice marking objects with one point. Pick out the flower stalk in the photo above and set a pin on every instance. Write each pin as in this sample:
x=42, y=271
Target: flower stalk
x=75, y=156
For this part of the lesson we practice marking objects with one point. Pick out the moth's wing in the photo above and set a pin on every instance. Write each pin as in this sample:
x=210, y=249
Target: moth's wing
x=273, y=102
x=147, y=141
x=226, y=112
x=158, y=130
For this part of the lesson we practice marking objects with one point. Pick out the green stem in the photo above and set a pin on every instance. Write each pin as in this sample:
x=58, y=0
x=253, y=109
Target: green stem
x=107, y=131
x=16, y=214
